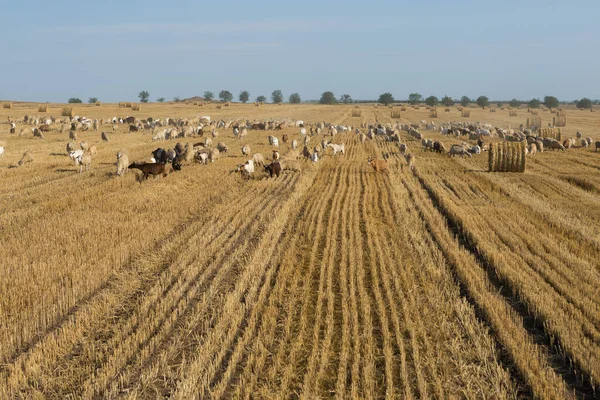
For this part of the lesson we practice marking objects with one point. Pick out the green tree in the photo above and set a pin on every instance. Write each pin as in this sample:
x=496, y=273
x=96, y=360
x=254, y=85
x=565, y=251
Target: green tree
x=295, y=98
x=415, y=98
x=277, y=96
x=208, y=95
x=551, y=102
x=515, y=103
x=75, y=100
x=483, y=101
x=386, y=98
x=92, y=100
x=447, y=101
x=144, y=96
x=584, y=103
x=176, y=99
x=465, y=101
x=534, y=103
x=244, y=96
x=432, y=101
x=345, y=98
x=225, y=95
x=499, y=104
x=327, y=98
x=261, y=99
x=160, y=99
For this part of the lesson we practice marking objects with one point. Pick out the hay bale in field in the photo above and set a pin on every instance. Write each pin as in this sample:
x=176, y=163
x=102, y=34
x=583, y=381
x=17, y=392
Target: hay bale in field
x=507, y=157
x=534, y=123
x=512, y=114
x=433, y=113
x=403, y=109
x=459, y=108
x=98, y=104
x=466, y=113
x=357, y=112
x=560, y=121
x=8, y=105
x=67, y=112
x=501, y=108
x=534, y=113
x=136, y=107
x=227, y=104
x=553, y=133
x=395, y=114
x=492, y=109
x=218, y=106
x=447, y=109
x=43, y=109
x=257, y=104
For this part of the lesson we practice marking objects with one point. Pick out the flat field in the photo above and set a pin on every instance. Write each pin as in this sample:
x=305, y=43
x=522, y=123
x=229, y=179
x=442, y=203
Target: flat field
x=438, y=281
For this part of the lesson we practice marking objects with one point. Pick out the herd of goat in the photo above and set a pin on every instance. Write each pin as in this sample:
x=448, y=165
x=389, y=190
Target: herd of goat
x=164, y=161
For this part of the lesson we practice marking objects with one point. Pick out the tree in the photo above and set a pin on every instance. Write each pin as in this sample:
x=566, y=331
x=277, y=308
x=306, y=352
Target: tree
x=534, y=103
x=176, y=99
x=261, y=99
x=345, y=98
x=160, y=99
x=551, y=102
x=295, y=98
x=584, y=103
x=432, y=101
x=208, y=95
x=75, y=100
x=483, y=101
x=386, y=98
x=515, y=103
x=465, y=101
x=92, y=100
x=499, y=104
x=277, y=96
x=415, y=98
x=144, y=96
x=327, y=98
x=225, y=95
x=244, y=96
x=447, y=101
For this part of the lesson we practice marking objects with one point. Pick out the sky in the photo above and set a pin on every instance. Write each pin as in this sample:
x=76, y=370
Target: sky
x=52, y=51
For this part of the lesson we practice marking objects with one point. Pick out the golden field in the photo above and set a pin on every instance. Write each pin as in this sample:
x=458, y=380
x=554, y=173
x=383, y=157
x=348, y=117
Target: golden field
x=438, y=281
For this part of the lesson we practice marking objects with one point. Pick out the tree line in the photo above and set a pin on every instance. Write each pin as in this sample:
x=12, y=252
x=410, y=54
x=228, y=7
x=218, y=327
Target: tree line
x=387, y=98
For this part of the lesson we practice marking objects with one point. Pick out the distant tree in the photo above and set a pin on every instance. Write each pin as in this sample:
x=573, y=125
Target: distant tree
x=261, y=99
x=144, y=96
x=415, y=98
x=92, y=100
x=208, y=95
x=465, y=101
x=447, y=101
x=75, y=100
x=514, y=103
x=499, y=104
x=160, y=99
x=551, y=102
x=386, y=98
x=327, y=98
x=277, y=96
x=534, y=103
x=295, y=98
x=225, y=95
x=345, y=98
x=584, y=103
x=432, y=101
x=483, y=101
x=176, y=99
x=244, y=96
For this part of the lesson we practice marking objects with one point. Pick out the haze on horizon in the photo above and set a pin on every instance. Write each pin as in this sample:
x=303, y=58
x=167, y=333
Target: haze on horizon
x=111, y=50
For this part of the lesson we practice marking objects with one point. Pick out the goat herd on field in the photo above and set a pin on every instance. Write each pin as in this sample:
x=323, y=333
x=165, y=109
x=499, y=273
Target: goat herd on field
x=165, y=161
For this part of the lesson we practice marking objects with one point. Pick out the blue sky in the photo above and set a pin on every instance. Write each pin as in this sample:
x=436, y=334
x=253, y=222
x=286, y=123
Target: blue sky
x=51, y=51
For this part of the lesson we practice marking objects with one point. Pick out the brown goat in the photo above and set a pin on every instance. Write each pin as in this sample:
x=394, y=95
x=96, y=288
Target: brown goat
x=378, y=165
x=150, y=169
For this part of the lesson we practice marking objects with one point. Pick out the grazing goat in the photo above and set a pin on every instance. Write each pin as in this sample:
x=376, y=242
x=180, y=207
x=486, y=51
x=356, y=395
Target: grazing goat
x=337, y=148
x=458, y=150
x=378, y=165
x=247, y=169
x=122, y=163
x=245, y=150
x=273, y=168
x=104, y=136
x=154, y=169
x=258, y=159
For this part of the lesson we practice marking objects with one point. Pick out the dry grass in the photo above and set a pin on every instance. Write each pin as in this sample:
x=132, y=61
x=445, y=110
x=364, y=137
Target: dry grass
x=335, y=280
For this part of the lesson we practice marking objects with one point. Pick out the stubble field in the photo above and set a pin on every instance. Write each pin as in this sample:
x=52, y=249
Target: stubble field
x=437, y=281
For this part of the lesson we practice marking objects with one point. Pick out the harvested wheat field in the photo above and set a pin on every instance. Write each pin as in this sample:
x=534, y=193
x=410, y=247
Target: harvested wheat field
x=438, y=279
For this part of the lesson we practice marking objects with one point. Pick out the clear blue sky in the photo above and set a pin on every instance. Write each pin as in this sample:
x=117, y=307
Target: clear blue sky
x=51, y=51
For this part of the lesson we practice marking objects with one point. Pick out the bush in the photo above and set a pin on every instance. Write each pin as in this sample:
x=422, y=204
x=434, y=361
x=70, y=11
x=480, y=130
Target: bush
x=483, y=101
x=295, y=98
x=327, y=98
x=447, y=101
x=225, y=95
x=386, y=98
x=92, y=100
x=244, y=96
x=277, y=96
x=208, y=95
x=534, y=103
x=465, y=101
x=75, y=100
x=432, y=101
x=584, y=103
x=415, y=98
